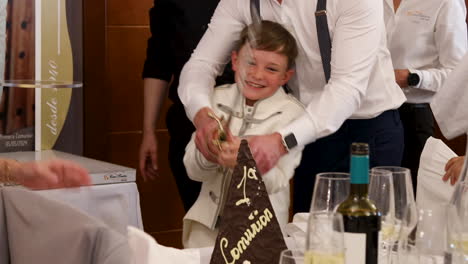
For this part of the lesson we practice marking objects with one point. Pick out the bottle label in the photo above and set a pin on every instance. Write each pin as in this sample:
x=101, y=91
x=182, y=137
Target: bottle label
x=359, y=169
x=355, y=244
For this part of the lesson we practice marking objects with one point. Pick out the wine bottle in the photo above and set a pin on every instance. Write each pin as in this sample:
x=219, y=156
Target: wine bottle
x=361, y=218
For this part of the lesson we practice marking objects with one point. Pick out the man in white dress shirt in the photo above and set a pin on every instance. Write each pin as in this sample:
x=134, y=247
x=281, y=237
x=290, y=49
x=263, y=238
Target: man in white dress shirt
x=451, y=113
x=426, y=39
x=358, y=103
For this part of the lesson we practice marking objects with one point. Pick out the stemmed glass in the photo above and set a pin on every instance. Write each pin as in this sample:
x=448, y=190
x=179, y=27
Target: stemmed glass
x=423, y=236
x=292, y=256
x=381, y=192
x=325, y=238
x=403, y=201
x=403, y=189
x=456, y=237
x=331, y=188
x=458, y=219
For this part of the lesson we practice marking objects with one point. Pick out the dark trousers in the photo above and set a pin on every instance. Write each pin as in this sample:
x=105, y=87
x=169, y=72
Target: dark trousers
x=418, y=124
x=384, y=134
x=180, y=130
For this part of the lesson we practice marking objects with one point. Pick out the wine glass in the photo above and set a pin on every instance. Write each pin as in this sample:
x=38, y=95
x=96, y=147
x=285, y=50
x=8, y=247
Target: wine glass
x=458, y=229
x=423, y=236
x=403, y=189
x=325, y=238
x=403, y=200
x=382, y=194
x=292, y=256
x=457, y=241
x=331, y=188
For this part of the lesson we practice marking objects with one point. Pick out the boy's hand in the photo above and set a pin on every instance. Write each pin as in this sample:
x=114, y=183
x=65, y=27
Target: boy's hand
x=228, y=155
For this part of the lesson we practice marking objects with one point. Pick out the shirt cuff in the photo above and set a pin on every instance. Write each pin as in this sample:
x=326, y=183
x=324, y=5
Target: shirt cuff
x=303, y=129
x=421, y=78
x=204, y=163
x=195, y=104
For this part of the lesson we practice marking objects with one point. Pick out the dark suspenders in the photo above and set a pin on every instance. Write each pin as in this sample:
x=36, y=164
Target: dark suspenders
x=323, y=36
x=255, y=8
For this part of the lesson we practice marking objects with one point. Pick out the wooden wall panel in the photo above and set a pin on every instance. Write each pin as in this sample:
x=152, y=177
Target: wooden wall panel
x=95, y=94
x=126, y=52
x=125, y=55
x=115, y=37
x=128, y=12
x=161, y=206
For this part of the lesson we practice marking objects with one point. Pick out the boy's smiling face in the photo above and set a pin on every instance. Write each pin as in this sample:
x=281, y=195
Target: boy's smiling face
x=259, y=73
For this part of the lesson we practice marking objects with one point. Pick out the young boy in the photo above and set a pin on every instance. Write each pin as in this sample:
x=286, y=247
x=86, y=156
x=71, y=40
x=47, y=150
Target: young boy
x=257, y=105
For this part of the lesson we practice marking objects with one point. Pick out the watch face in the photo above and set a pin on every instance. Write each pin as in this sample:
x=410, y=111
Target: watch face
x=413, y=79
x=290, y=141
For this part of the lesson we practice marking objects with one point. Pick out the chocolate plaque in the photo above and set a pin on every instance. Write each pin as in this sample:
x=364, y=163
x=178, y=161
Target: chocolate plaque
x=248, y=231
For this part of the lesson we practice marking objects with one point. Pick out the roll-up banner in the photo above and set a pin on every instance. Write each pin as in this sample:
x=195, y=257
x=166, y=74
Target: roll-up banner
x=45, y=36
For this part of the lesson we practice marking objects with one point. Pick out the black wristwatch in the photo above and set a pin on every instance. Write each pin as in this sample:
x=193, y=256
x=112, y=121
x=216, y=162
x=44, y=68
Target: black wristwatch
x=289, y=141
x=413, y=79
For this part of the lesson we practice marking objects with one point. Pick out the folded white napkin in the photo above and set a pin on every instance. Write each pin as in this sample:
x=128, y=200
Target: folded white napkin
x=431, y=190
x=297, y=230
x=147, y=251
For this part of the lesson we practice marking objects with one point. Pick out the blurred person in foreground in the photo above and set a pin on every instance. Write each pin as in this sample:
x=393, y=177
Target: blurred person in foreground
x=43, y=174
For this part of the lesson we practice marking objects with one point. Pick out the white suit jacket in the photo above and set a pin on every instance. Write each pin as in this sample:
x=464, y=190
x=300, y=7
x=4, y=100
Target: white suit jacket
x=265, y=117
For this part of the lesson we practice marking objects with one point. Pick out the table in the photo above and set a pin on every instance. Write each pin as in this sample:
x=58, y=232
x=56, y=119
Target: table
x=205, y=253
x=113, y=197
x=118, y=204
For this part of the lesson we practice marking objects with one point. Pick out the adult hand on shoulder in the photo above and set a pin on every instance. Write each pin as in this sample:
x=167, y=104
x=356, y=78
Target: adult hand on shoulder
x=49, y=174
x=206, y=131
x=453, y=169
x=401, y=76
x=266, y=150
x=148, y=156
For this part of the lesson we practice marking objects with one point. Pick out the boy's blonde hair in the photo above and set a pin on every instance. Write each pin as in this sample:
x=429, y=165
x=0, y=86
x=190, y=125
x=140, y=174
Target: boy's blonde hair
x=269, y=36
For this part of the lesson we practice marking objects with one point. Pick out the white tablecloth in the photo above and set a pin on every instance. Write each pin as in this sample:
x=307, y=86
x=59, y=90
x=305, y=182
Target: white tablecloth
x=117, y=204
x=146, y=250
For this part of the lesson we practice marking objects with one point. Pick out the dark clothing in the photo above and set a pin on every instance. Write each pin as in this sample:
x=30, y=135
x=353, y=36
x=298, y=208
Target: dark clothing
x=418, y=124
x=384, y=134
x=176, y=28
x=180, y=129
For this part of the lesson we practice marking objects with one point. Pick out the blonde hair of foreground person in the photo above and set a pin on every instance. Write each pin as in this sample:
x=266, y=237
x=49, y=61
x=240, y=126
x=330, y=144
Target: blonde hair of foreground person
x=49, y=174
